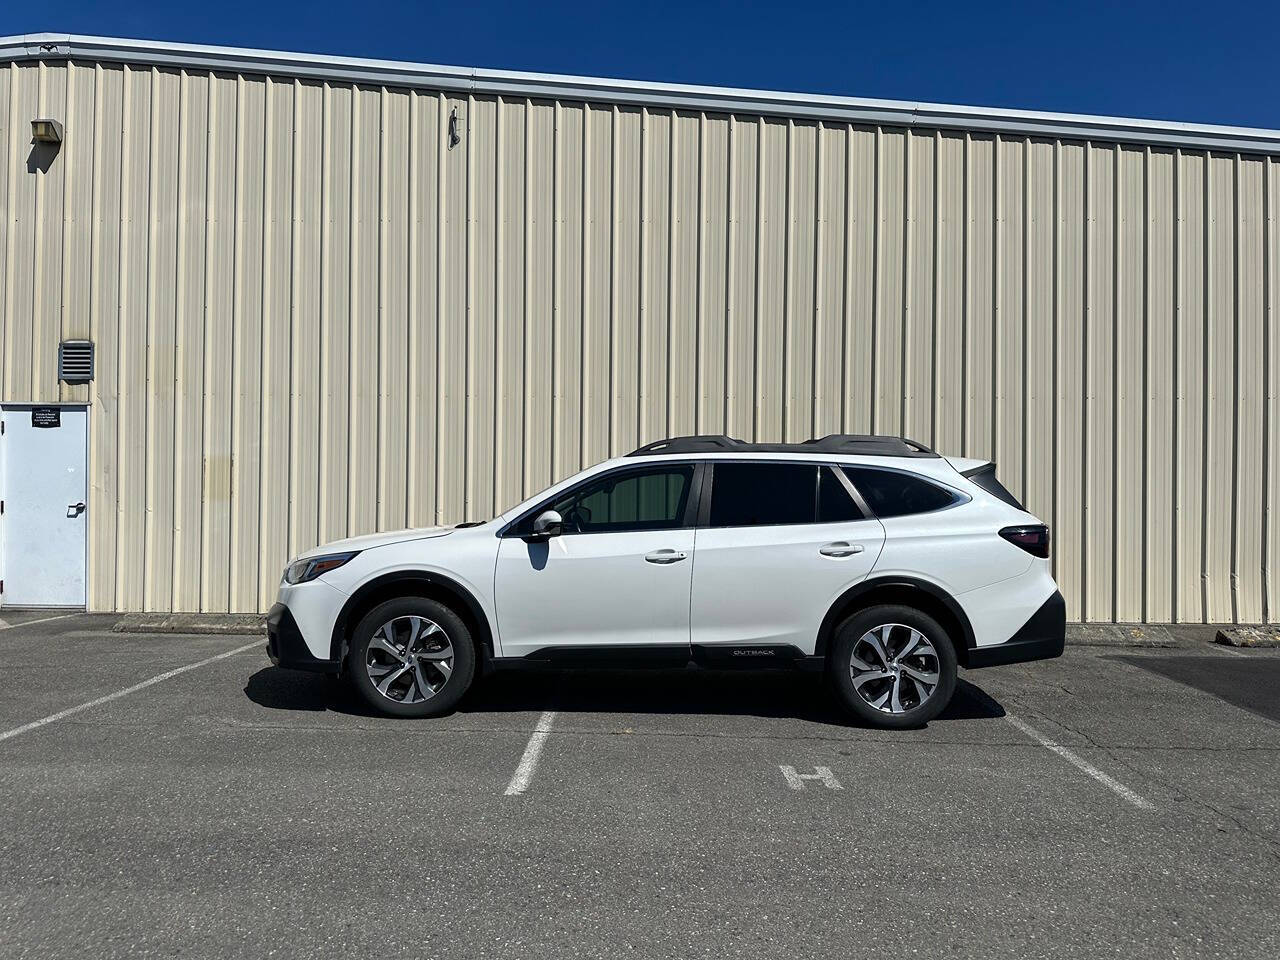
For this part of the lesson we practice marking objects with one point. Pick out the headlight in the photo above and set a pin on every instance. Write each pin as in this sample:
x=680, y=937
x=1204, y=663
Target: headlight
x=300, y=571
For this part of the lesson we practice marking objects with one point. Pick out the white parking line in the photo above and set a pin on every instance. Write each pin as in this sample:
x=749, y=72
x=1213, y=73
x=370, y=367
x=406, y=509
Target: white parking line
x=63, y=714
x=1082, y=765
x=529, y=762
x=6, y=625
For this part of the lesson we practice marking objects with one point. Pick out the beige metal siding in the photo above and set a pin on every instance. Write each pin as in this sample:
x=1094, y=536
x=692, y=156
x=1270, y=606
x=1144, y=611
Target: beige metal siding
x=315, y=317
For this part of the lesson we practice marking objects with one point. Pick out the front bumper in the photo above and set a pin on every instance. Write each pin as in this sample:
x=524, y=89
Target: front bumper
x=1043, y=637
x=287, y=649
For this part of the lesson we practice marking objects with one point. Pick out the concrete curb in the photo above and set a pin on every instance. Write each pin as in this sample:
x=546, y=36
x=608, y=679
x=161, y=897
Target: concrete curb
x=1121, y=635
x=1248, y=636
x=215, y=623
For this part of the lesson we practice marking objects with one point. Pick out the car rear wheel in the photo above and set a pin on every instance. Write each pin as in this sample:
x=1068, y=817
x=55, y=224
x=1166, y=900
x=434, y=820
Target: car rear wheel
x=411, y=657
x=893, y=666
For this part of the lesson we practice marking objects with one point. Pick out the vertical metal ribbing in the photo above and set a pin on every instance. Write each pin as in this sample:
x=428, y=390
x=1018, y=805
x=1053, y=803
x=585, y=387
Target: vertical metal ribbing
x=759, y=265
x=672, y=205
x=179, y=250
x=613, y=280
x=818, y=318
x=904, y=341
x=730, y=196
x=1116, y=280
x=499, y=307
x=642, y=285
x=1024, y=402
x=997, y=380
x=557, y=306
x=322, y=418
x=1175, y=478
x=442, y=140
x=413, y=384
x=699, y=311
x=787, y=292
x=469, y=321
x=965, y=266
x=1268, y=387
x=1055, y=342
x=1085, y=458
x=526, y=270
x=875, y=279
x=1207, y=354
x=1235, y=401
x=933, y=305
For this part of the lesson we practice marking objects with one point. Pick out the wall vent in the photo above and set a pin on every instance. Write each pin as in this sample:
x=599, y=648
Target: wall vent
x=75, y=361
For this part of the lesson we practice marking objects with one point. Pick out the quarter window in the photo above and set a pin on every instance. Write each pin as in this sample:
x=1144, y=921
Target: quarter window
x=621, y=502
x=890, y=493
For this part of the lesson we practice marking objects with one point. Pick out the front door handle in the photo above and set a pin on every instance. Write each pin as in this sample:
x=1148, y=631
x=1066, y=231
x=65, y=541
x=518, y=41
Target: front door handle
x=841, y=549
x=665, y=556
x=74, y=510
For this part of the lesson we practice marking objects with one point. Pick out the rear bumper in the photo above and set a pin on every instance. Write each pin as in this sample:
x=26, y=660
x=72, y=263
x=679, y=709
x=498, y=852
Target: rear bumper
x=287, y=649
x=1040, y=638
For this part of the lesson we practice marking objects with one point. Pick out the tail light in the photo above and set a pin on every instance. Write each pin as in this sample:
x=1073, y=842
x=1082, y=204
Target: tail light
x=1034, y=540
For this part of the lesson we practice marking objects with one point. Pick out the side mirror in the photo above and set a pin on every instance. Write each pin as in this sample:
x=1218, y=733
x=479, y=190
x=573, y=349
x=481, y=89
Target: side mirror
x=546, y=525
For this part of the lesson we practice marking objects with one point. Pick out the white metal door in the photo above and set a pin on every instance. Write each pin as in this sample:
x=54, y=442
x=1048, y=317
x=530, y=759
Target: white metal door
x=42, y=485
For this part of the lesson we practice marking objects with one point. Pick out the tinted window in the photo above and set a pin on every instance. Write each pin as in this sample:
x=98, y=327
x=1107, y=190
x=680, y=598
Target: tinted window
x=834, y=503
x=617, y=502
x=763, y=494
x=892, y=494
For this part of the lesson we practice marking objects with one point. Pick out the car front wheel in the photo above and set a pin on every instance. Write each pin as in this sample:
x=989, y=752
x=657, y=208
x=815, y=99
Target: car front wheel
x=411, y=657
x=893, y=666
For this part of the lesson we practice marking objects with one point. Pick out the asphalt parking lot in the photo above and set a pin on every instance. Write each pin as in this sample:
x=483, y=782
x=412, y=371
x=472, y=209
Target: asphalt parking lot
x=1115, y=802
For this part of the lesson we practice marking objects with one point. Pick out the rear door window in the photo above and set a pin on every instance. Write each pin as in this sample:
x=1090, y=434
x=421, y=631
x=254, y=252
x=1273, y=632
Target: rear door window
x=891, y=493
x=763, y=494
x=835, y=505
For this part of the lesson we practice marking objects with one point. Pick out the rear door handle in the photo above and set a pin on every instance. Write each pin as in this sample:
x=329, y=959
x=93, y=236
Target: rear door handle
x=841, y=549
x=665, y=556
x=74, y=510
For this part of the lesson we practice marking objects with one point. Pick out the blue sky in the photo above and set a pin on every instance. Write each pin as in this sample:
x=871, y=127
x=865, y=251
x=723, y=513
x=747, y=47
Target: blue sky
x=1206, y=62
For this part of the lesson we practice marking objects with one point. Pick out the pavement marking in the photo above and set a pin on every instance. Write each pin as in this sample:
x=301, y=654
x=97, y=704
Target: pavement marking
x=532, y=751
x=63, y=714
x=6, y=625
x=1082, y=765
x=796, y=780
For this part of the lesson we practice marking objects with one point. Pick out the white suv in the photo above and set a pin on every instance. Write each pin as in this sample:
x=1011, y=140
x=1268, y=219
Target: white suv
x=872, y=558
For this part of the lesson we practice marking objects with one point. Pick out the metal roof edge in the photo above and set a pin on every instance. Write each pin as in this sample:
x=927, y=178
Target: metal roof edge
x=992, y=120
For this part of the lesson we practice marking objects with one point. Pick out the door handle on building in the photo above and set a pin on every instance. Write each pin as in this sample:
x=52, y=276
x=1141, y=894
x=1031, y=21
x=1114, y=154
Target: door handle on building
x=840, y=549
x=665, y=556
x=74, y=510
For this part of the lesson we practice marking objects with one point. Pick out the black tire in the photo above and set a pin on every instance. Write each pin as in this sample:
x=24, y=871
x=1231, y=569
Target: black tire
x=901, y=621
x=426, y=665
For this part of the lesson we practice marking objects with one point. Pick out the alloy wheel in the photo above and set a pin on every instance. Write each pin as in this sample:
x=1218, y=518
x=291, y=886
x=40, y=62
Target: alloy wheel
x=409, y=659
x=894, y=668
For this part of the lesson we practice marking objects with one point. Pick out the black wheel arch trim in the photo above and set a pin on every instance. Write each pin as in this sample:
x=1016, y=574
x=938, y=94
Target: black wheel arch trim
x=386, y=583
x=841, y=609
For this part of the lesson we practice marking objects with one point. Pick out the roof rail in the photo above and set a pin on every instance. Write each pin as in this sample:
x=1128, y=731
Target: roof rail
x=850, y=443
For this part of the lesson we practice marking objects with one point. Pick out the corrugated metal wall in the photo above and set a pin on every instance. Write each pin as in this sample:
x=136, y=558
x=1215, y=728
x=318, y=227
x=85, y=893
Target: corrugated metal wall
x=315, y=317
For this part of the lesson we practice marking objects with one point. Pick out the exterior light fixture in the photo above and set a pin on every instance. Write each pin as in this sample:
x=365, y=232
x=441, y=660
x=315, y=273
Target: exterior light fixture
x=46, y=131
